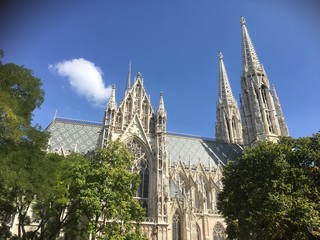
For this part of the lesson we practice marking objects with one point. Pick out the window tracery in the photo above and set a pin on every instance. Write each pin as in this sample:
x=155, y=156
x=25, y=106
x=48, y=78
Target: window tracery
x=140, y=166
x=218, y=232
x=176, y=227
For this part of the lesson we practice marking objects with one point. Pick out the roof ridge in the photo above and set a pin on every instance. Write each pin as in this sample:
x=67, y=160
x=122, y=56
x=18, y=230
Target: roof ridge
x=78, y=120
x=190, y=135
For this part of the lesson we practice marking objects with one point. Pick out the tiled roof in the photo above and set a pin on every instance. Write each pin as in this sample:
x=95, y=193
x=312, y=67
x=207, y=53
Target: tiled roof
x=193, y=150
x=83, y=136
x=73, y=135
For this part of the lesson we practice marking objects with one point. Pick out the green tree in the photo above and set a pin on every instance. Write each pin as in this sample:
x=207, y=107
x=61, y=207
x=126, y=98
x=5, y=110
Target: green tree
x=20, y=95
x=106, y=195
x=60, y=208
x=22, y=146
x=272, y=191
x=93, y=195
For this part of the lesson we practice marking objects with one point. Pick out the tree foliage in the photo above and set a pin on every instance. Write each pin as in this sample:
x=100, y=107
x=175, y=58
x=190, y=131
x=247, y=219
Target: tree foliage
x=93, y=195
x=272, y=191
x=74, y=194
x=20, y=95
x=22, y=146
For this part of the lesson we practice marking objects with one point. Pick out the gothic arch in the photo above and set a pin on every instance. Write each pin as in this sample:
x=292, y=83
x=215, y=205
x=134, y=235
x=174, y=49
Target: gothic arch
x=142, y=166
x=176, y=227
x=219, y=232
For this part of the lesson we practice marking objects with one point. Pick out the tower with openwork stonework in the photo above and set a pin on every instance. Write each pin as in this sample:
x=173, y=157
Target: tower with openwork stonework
x=262, y=117
x=228, y=123
x=143, y=131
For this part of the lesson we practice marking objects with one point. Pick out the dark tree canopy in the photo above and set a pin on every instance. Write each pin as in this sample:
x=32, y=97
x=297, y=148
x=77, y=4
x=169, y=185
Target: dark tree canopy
x=272, y=191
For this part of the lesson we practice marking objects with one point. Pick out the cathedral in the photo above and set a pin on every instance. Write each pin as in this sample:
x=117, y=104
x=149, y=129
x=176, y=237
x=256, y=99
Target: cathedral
x=180, y=173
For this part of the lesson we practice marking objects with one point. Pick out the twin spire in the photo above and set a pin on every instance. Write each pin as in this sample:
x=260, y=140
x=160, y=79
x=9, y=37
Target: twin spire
x=225, y=92
x=262, y=117
x=250, y=59
x=228, y=124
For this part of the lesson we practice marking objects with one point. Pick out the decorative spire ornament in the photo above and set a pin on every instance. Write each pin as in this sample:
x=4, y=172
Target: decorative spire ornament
x=228, y=123
x=249, y=56
x=258, y=107
x=128, y=85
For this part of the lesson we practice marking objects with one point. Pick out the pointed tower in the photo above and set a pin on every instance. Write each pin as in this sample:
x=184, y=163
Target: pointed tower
x=162, y=166
x=109, y=118
x=128, y=85
x=228, y=124
x=282, y=121
x=259, y=116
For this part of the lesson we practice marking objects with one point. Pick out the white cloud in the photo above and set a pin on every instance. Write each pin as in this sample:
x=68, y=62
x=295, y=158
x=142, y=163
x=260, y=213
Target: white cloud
x=85, y=79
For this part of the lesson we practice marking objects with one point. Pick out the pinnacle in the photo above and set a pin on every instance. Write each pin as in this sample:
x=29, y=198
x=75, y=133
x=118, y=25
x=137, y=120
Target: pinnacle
x=225, y=93
x=242, y=21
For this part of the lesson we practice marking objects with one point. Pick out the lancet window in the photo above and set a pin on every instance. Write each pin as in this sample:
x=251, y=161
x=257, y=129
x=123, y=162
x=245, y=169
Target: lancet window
x=118, y=121
x=129, y=105
x=176, y=227
x=264, y=94
x=218, y=232
x=198, y=233
x=140, y=166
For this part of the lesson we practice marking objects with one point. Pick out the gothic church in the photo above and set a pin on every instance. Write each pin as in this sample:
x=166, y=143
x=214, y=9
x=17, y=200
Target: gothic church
x=181, y=174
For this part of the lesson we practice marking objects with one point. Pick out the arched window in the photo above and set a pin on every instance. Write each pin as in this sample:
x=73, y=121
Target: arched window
x=118, y=120
x=198, y=233
x=228, y=129
x=218, y=232
x=141, y=166
x=264, y=94
x=176, y=227
x=129, y=105
x=145, y=107
x=108, y=117
x=209, y=203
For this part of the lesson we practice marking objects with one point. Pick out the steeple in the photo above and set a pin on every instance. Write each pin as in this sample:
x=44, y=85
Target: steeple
x=258, y=107
x=250, y=59
x=108, y=119
x=112, y=105
x=282, y=122
x=161, y=109
x=225, y=92
x=128, y=85
x=228, y=124
x=161, y=116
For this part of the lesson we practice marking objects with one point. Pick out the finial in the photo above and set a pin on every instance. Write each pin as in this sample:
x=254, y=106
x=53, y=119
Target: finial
x=112, y=100
x=220, y=55
x=128, y=86
x=242, y=21
x=161, y=108
x=55, y=114
x=138, y=74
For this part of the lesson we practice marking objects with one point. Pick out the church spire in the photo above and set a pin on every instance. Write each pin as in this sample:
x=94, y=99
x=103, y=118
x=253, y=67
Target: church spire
x=250, y=59
x=225, y=92
x=228, y=123
x=282, y=122
x=128, y=85
x=112, y=105
x=259, y=108
x=161, y=109
x=161, y=116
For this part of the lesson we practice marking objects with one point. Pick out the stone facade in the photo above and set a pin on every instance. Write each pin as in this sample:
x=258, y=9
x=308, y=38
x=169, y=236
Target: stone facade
x=261, y=114
x=180, y=174
x=179, y=179
x=228, y=123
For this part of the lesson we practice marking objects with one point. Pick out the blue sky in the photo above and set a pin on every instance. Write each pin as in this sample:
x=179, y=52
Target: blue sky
x=174, y=44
